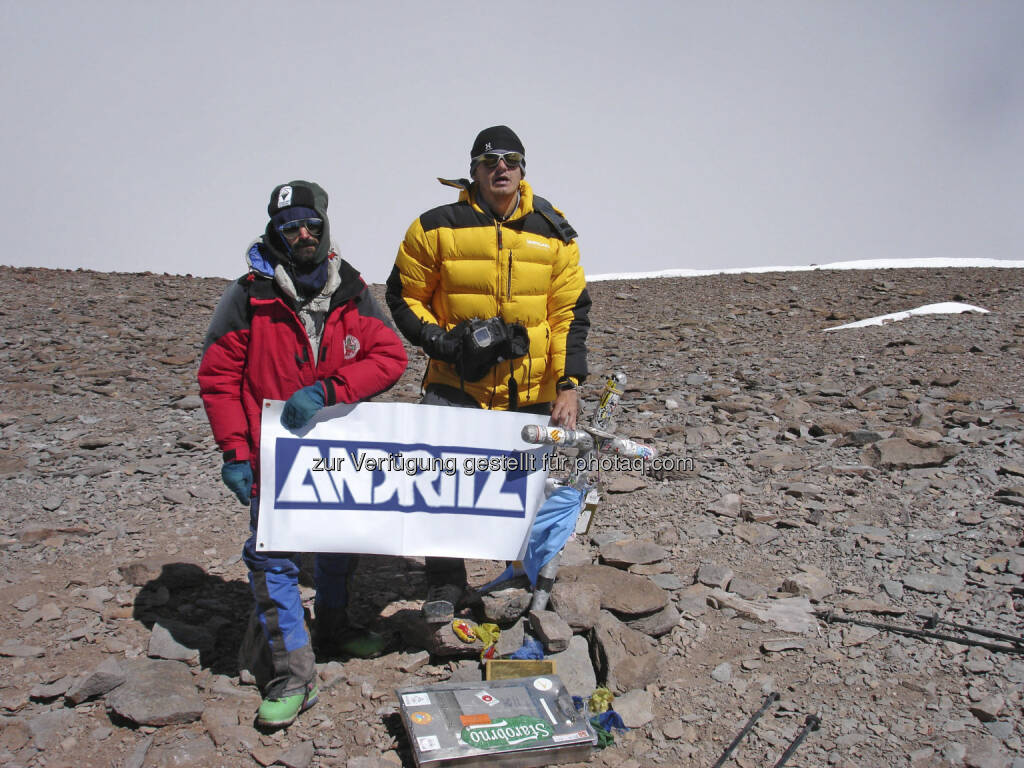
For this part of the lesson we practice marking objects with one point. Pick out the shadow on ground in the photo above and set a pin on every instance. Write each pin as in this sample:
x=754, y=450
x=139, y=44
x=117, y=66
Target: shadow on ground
x=199, y=610
x=395, y=728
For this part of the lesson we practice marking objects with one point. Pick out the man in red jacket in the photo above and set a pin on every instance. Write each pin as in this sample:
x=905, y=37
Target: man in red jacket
x=300, y=326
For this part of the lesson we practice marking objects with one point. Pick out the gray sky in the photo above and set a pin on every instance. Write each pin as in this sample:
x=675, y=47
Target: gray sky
x=147, y=136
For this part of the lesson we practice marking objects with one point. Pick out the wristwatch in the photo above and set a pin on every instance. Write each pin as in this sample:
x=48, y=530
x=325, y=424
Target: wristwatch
x=564, y=383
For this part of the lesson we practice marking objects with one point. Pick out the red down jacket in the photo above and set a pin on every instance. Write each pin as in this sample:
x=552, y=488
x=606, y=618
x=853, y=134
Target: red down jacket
x=256, y=349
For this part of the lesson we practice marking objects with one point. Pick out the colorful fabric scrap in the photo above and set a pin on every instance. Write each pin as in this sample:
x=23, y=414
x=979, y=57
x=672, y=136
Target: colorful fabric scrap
x=604, y=725
x=463, y=630
x=601, y=700
x=611, y=720
x=530, y=649
x=488, y=635
x=554, y=524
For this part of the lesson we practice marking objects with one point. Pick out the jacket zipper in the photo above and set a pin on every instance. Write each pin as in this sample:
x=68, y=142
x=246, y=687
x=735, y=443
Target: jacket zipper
x=495, y=377
x=508, y=284
x=309, y=344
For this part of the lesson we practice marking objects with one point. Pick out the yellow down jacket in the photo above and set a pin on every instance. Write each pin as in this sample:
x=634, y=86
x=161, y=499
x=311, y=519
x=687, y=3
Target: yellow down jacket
x=457, y=262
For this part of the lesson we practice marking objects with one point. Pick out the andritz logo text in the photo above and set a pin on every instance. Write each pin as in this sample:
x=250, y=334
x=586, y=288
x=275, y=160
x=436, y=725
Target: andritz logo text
x=335, y=474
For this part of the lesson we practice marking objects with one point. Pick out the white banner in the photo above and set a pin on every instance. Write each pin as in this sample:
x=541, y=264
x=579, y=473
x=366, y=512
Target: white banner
x=400, y=479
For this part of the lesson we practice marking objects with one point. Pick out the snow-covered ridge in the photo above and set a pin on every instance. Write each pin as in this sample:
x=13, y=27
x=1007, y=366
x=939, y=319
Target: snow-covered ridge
x=859, y=264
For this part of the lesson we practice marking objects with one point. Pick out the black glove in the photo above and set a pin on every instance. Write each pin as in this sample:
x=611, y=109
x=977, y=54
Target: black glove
x=489, y=342
x=445, y=346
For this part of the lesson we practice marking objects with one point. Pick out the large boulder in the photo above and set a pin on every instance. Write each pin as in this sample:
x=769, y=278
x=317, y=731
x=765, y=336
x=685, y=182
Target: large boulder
x=157, y=692
x=625, y=659
x=577, y=602
x=899, y=453
x=626, y=594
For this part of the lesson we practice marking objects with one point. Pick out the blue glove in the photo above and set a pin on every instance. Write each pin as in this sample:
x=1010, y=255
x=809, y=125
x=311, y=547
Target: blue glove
x=237, y=476
x=302, y=406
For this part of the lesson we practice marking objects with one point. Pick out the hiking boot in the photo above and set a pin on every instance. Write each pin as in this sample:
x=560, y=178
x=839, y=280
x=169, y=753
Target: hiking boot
x=441, y=602
x=351, y=641
x=333, y=636
x=361, y=643
x=281, y=711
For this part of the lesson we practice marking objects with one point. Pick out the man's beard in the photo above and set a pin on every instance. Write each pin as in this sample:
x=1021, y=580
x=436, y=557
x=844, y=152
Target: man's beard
x=304, y=253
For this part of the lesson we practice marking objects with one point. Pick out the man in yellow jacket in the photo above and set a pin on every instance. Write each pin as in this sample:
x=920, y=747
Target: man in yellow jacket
x=491, y=288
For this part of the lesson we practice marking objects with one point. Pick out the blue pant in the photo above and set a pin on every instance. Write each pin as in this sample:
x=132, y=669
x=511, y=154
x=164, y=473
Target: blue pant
x=274, y=581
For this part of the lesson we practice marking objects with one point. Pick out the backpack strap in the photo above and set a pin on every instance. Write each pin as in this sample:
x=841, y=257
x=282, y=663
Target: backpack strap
x=564, y=229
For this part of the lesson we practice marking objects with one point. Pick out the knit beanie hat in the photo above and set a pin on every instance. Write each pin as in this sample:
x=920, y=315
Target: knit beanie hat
x=497, y=138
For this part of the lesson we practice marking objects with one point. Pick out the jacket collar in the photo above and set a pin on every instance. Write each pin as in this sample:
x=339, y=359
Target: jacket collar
x=261, y=272
x=468, y=193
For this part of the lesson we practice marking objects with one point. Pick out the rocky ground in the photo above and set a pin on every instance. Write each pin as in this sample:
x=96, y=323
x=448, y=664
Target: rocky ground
x=877, y=473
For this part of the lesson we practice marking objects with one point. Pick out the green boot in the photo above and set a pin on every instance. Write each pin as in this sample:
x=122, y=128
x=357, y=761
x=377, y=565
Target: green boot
x=333, y=636
x=361, y=643
x=282, y=711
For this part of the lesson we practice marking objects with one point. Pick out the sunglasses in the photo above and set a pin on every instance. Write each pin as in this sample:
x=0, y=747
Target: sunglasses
x=290, y=229
x=490, y=159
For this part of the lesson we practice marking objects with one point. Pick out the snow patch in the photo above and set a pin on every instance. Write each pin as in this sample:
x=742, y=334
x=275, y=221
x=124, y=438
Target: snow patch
x=943, y=308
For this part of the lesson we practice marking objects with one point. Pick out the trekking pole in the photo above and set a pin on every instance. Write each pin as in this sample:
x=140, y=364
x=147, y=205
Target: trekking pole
x=770, y=699
x=812, y=723
x=829, y=617
x=932, y=620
